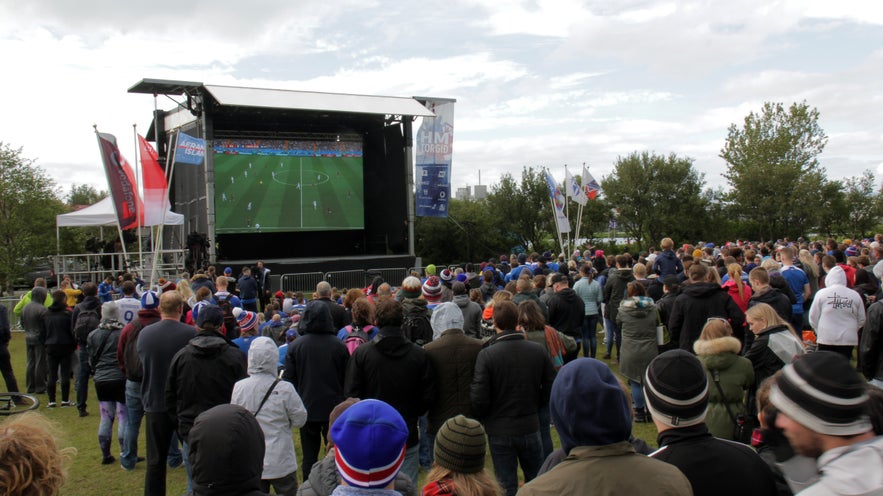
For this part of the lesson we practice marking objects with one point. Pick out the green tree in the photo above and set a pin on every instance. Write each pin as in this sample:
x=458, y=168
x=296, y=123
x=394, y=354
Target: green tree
x=468, y=234
x=84, y=194
x=656, y=196
x=522, y=210
x=774, y=169
x=28, y=205
x=864, y=205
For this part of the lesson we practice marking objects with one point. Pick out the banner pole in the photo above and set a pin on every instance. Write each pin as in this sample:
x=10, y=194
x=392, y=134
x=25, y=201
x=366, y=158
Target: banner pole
x=157, y=248
x=138, y=189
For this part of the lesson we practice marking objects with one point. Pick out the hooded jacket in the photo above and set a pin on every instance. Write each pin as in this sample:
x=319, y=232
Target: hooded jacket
x=667, y=262
x=201, y=376
x=772, y=349
x=391, y=368
x=315, y=362
x=145, y=318
x=453, y=356
x=88, y=303
x=774, y=298
x=695, y=304
x=733, y=290
x=592, y=415
x=615, y=290
x=106, y=368
x=471, y=315
x=637, y=321
x=591, y=293
x=226, y=449
x=59, y=338
x=566, y=312
x=32, y=316
x=837, y=312
x=735, y=375
x=282, y=411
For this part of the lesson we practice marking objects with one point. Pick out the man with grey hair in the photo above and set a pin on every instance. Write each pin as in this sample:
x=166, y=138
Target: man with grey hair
x=338, y=315
x=452, y=354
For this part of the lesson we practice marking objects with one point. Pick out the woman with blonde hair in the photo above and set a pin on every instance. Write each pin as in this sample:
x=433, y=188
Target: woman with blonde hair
x=729, y=375
x=775, y=344
x=31, y=462
x=458, y=468
x=739, y=291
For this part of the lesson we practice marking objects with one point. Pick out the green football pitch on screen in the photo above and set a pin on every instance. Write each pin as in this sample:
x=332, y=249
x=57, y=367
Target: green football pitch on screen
x=268, y=193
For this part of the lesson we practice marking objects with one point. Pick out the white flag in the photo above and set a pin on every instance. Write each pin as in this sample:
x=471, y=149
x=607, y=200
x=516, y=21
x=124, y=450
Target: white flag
x=574, y=189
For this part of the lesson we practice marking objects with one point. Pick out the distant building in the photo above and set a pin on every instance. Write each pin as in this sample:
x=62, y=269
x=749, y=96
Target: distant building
x=479, y=192
x=463, y=194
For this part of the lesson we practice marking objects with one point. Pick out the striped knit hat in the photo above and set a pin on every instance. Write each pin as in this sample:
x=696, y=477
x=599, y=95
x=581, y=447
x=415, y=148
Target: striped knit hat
x=432, y=289
x=460, y=445
x=244, y=319
x=676, y=389
x=823, y=393
x=369, y=444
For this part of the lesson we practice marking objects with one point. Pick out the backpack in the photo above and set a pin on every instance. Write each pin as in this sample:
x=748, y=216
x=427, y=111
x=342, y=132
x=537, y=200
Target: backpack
x=87, y=321
x=355, y=337
x=134, y=371
x=417, y=327
x=229, y=319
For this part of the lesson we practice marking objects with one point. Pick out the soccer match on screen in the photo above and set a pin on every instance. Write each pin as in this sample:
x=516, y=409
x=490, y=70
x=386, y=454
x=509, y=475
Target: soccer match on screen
x=288, y=185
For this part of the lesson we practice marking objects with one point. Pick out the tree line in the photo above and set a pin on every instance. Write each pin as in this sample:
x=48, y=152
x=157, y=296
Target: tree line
x=777, y=188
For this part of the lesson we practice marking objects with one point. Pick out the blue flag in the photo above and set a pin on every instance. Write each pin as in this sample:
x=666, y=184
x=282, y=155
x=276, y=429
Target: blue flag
x=189, y=150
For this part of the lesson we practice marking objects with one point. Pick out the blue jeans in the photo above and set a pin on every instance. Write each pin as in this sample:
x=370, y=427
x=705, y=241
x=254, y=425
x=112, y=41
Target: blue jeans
x=590, y=335
x=613, y=335
x=637, y=395
x=410, y=466
x=134, y=414
x=426, y=444
x=84, y=371
x=507, y=452
x=545, y=416
x=185, y=450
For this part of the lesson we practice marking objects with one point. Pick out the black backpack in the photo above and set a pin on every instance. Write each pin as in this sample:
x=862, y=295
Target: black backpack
x=229, y=319
x=87, y=321
x=134, y=370
x=417, y=327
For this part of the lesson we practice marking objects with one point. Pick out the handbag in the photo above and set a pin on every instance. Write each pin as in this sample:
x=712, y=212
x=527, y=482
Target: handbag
x=663, y=337
x=743, y=427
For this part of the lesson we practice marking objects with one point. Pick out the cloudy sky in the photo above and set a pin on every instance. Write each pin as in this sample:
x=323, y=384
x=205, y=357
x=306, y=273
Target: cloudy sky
x=537, y=82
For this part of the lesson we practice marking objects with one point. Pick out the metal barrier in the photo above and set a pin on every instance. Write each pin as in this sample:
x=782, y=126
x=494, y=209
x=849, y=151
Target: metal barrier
x=393, y=276
x=346, y=279
x=305, y=282
x=14, y=320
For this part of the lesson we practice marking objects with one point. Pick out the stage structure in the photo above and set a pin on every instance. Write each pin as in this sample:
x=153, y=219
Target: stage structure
x=301, y=179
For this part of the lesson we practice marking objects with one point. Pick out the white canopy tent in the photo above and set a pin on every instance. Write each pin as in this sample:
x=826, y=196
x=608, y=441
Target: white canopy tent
x=103, y=214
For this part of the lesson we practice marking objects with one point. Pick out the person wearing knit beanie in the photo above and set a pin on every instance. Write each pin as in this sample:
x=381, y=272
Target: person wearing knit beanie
x=823, y=410
x=459, y=461
x=411, y=288
x=432, y=289
x=248, y=327
x=676, y=388
x=591, y=411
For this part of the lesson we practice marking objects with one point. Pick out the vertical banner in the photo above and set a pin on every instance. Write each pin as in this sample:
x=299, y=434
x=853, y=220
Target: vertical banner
x=557, y=203
x=574, y=189
x=154, y=181
x=435, y=140
x=121, y=181
x=189, y=150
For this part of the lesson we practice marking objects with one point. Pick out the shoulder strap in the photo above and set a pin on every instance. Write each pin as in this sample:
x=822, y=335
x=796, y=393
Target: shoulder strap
x=100, y=350
x=715, y=374
x=266, y=396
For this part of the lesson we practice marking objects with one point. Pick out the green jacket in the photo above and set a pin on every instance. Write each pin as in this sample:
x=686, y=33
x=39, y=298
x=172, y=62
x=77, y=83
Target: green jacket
x=637, y=321
x=614, y=469
x=23, y=302
x=736, y=375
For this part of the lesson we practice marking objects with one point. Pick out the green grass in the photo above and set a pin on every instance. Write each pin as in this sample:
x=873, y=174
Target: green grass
x=86, y=475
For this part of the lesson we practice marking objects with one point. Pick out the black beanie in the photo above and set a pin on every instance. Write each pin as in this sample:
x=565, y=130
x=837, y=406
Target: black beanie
x=676, y=389
x=822, y=392
x=460, y=445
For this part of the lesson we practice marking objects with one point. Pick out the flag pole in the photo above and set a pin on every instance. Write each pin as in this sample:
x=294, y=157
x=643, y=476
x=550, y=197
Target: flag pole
x=119, y=227
x=566, y=209
x=554, y=214
x=162, y=223
x=579, y=212
x=138, y=190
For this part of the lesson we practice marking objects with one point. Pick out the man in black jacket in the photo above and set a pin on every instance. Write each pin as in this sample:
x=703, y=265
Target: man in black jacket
x=676, y=388
x=699, y=301
x=393, y=369
x=338, y=315
x=90, y=303
x=513, y=379
x=614, y=292
x=316, y=365
x=202, y=374
x=566, y=311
